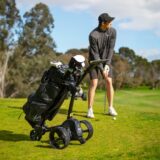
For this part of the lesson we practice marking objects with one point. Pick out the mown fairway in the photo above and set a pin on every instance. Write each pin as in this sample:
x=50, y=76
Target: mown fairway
x=135, y=135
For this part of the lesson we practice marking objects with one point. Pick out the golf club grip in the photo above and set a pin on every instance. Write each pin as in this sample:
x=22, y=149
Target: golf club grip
x=92, y=65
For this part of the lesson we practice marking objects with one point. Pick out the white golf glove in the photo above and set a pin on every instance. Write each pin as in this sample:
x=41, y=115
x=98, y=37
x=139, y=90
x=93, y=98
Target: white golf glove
x=106, y=68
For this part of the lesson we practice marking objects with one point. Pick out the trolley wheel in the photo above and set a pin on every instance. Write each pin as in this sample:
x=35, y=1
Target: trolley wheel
x=87, y=130
x=34, y=136
x=82, y=140
x=59, y=137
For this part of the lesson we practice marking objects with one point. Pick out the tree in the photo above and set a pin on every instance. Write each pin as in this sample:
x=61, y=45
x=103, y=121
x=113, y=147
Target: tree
x=25, y=73
x=128, y=54
x=65, y=58
x=32, y=54
x=120, y=72
x=154, y=74
x=35, y=38
x=73, y=52
x=139, y=66
x=9, y=18
x=141, y=69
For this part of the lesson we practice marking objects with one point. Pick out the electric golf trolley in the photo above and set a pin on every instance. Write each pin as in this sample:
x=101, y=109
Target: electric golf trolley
x=44, y=104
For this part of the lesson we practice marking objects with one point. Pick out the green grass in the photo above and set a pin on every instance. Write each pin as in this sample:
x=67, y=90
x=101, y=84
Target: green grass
x=135, y=135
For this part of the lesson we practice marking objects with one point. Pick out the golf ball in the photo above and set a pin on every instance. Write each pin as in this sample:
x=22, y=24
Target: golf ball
x=114, y=118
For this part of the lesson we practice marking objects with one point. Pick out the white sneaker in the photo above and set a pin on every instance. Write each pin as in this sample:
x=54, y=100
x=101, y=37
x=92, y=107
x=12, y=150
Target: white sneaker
x=112, y=111
x=90, y=113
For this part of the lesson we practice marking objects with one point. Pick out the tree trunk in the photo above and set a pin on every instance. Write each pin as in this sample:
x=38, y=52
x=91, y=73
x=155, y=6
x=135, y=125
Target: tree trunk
x=3, y=72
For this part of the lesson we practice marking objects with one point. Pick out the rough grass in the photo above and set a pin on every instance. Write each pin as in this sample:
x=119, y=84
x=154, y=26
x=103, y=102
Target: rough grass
x=134, y=135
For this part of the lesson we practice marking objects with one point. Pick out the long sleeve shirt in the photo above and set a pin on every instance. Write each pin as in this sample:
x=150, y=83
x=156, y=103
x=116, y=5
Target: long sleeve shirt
x=102, y=44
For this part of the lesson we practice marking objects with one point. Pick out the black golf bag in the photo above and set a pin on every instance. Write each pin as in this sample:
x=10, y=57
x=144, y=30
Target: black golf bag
x=44, y=104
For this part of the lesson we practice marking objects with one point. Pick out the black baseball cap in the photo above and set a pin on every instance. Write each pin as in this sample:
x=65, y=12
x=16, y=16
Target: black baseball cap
x=105, y=17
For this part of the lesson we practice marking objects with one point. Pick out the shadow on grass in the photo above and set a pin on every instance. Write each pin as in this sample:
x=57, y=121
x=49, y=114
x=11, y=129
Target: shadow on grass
x=20, y=108
x=79, y=114
x=76, y=113
x=63, y=111
x=45, y=144
x=10, y=136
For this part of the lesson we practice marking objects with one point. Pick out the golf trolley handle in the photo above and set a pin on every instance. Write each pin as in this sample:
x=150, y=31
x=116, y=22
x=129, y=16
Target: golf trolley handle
x=96, y=62
x=92, y=65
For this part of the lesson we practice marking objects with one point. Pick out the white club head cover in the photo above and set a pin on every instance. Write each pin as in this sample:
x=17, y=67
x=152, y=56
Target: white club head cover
x=80, y=59
x=56, y=64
